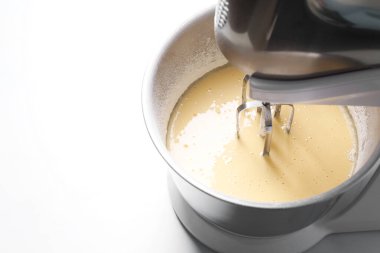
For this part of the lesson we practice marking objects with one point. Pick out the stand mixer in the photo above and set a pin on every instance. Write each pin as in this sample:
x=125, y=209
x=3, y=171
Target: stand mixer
x=296, y=51
x=302, y=51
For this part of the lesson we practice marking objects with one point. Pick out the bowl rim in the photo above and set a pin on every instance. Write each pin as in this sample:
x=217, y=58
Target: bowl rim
x=370, y=166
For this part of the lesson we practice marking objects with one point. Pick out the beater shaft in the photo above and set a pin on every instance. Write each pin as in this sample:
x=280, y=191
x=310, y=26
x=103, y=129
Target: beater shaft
x=264, y=108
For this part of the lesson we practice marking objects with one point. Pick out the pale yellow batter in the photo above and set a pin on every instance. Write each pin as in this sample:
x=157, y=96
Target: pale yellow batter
x=310, y=160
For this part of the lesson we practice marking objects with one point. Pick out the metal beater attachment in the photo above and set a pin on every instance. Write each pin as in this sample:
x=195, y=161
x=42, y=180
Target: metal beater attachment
x=264, y=108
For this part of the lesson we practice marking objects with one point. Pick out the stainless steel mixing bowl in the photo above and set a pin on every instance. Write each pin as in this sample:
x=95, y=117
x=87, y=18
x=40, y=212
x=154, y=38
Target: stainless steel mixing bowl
x=189, y=54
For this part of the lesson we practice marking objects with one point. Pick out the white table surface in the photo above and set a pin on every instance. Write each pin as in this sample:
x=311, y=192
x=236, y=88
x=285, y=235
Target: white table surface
x=78, y=172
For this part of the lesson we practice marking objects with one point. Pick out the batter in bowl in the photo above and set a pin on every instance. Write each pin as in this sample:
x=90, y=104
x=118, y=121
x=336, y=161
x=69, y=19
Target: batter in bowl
x=316, y=156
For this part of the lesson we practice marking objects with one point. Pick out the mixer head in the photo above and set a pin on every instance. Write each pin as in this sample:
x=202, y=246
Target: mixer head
x=302, y=51
x=299, y=39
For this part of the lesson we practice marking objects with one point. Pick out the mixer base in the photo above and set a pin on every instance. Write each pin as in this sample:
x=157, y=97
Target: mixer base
x=223, y=241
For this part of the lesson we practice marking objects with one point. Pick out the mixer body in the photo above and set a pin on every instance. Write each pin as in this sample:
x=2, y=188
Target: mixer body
x=226, y=224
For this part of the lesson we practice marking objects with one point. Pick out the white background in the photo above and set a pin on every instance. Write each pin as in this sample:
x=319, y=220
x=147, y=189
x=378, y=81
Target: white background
x=78, y=172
